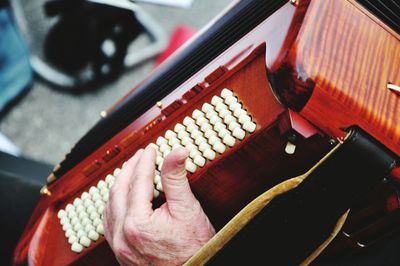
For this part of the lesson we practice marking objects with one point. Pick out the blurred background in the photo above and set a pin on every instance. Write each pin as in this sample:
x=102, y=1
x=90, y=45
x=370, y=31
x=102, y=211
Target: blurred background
x=62, y=62
x=67, y=94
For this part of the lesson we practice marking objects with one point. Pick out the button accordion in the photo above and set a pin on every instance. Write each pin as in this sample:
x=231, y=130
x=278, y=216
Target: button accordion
x=260, y=96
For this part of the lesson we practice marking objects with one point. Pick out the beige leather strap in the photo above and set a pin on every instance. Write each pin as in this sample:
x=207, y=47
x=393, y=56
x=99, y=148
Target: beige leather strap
x=250, y=211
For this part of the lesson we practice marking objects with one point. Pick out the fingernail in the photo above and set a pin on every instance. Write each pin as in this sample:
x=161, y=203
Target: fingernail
x=181, y=161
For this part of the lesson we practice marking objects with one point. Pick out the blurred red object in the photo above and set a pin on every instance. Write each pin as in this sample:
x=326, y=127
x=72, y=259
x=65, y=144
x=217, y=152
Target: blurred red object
x=179, y=36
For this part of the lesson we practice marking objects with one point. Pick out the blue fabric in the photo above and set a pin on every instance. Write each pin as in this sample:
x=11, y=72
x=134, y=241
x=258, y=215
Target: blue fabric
x=15, y=70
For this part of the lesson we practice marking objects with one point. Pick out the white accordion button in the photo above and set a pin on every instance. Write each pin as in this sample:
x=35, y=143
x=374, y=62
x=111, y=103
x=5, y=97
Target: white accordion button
x=239, y=133
x=233, y=125
x=182, y=134
x=61, y=214
x=199, y=140
x=80, y=233
x=93, y=190
x=230, y=99
x=97, y=221
x=226, y=93
x=219, y=126
x=195, y=134
x=233, y=106
x=71, y=214
x=229, y=140
x=197, y=113
x=215, y=119
x=199, y=160
x=157, y=178
x=105, y=197
x=229, y=119
x=193, y=152
x=216, y=100
x=209, y=132
x=192, y=127
x=109, y=179
x=207, y=107
x=238, y=112
x=93, y=235
x=72, y=239
x=67, y=226
x=64, y=220
x=85, y=221
x=69, y=207
x=205, y=126
x=224, y=112
x=188, y=121
x=170, y=134
x=77, y=227
x=161, y=140
x=116, y=172
x=173, y=141
x=219, y=147
x=159, y=186
x=100, y=186
x=100, y=229
x=186, y=140
x=249, y=126
x=154, y=146
x=209, y=154
x=190, y=166
x=211, y=113
x=213, y=139
x=220, y=106
x=69, y=233
x=201, y=120
x=223, y=132
x=164, y=147
x=244, y=118
x=204, y=146
x=179, y=127
x=84, y=241
x=76, y=247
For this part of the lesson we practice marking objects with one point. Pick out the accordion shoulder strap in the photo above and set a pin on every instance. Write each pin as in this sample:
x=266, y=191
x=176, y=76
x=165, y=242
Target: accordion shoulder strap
x=293, y=222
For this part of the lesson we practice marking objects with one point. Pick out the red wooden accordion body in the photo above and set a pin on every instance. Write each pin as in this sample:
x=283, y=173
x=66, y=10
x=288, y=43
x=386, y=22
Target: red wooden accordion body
x=276, y=83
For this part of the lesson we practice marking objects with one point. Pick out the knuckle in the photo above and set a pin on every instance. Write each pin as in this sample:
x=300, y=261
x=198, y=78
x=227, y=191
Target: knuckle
x=131, y=231
x=120, y=250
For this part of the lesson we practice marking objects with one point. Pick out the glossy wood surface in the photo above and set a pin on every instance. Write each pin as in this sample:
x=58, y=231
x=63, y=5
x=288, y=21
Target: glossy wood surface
x=351, y=57
x=347, y=57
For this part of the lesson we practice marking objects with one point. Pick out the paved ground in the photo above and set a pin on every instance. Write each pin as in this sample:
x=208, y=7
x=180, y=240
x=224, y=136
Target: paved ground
x=46, y=122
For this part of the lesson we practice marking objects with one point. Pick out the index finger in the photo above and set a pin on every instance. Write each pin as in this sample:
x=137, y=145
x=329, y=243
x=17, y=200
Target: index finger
x=141, y=188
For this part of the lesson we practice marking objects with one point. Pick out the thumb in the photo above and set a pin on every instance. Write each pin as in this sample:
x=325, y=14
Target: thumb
x=174, y=181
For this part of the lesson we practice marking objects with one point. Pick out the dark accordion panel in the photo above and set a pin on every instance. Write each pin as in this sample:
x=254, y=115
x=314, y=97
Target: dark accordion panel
x=386, y=10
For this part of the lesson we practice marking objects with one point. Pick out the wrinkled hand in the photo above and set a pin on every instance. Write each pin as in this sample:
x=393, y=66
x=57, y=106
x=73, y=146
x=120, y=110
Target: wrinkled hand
x=168, y=235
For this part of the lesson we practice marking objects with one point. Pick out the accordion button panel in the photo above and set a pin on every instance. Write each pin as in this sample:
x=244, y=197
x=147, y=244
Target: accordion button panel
x=205, y=134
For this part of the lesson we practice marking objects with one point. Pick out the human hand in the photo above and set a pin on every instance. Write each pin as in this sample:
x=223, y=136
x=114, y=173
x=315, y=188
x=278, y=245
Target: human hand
x=168, y=235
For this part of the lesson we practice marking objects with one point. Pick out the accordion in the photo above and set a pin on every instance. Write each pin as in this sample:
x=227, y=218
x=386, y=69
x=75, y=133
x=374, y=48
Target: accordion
x=260, y=96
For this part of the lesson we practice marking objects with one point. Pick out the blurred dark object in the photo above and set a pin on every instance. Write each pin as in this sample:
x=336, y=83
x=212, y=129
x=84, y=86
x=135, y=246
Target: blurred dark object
x=90, y=35
x=81, y=44
x=20, y=182
x=15, y=70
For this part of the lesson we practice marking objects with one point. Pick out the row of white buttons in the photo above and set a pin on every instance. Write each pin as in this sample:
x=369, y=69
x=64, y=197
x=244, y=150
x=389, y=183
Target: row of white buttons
x=82, y=220
x=207, y=132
